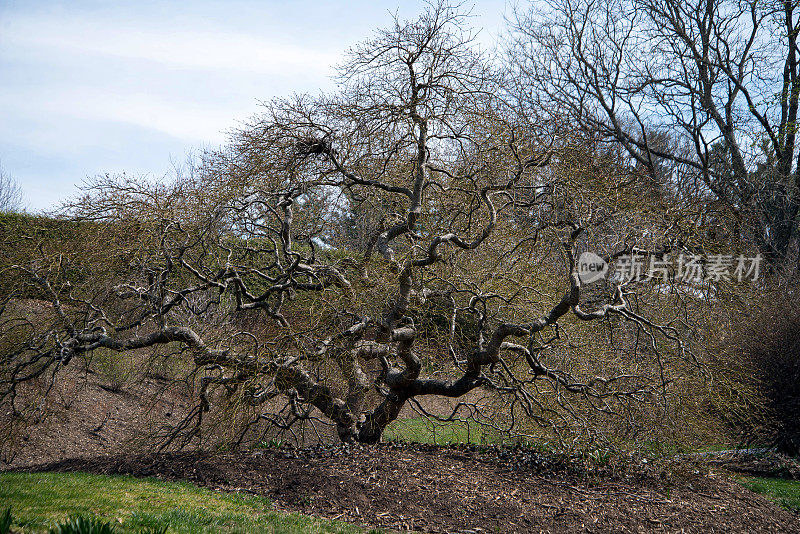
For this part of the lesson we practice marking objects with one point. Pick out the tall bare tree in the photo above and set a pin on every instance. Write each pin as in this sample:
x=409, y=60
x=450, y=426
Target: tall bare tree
x=720, y=77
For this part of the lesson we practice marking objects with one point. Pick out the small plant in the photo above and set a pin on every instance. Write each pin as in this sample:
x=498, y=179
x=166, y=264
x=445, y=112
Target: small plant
x=600, y=457
x=5, y=521
x=115, y=370
x=274, y=443
x=83, y=525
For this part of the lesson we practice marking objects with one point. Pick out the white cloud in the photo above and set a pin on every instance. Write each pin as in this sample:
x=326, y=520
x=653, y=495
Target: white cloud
x=184, y=120
x=187, y=49
x=187, y=83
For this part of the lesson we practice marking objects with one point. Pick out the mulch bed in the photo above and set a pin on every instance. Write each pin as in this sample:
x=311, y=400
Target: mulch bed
x=466, y=489
x=409, y=487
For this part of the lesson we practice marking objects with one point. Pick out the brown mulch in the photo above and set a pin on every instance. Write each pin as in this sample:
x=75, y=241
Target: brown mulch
x=464, y=489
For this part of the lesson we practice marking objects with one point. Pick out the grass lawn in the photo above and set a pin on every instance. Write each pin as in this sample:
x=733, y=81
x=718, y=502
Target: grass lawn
x=784, y=492
x=421, y=430
x=40, y=500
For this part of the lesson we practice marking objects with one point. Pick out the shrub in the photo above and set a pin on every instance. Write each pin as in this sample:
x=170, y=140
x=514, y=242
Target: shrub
x=771, y=349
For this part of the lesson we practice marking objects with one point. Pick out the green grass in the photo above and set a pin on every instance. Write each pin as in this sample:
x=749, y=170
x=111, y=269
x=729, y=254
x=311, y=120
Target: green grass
x=40, y=500
x=784, y=492
x=421, y=430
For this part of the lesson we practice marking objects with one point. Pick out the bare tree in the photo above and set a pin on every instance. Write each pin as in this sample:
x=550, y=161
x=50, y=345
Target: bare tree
x=464, y=290
x=10, y=193
x=721, y=77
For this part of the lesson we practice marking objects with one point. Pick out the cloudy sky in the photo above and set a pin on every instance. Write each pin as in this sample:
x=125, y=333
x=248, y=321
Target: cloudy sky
x=96, y=86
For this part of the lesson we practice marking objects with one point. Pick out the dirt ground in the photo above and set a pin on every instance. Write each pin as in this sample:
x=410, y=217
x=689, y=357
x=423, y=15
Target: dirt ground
x=87, y=417
x=463, y=489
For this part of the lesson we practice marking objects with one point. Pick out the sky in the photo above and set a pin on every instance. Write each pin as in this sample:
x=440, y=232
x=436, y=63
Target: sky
x=89, y=87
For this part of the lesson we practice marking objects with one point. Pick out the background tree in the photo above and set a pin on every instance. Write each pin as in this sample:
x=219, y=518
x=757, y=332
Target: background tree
x=719, y=77
x=10, y=193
